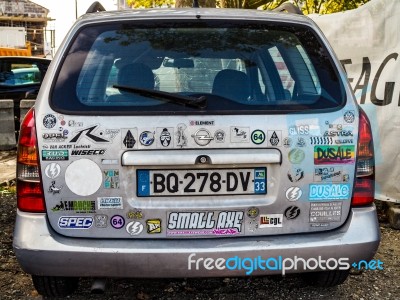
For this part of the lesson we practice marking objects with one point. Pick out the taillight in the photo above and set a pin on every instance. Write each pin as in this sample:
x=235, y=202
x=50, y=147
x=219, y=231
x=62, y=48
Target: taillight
x=364, y=188
x=29, y=188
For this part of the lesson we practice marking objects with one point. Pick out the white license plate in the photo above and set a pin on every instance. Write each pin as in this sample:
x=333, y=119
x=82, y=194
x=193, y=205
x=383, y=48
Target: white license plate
x=201, y=182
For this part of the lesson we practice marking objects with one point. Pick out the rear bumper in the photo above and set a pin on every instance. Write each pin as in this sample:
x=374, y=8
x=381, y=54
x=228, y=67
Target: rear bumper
x=41, y=251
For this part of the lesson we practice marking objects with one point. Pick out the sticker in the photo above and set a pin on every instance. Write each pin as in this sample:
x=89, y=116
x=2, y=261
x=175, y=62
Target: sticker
x=78, y=206
x=344, y=141
x=252, y=226
x=296, y=156
x=252, y=212
x=202, y=137
x=328, y=174
x=100, y=221
x=301, y=142
x=201, y=123
x=93, y=152
x=319, y=225
x=333, y=154
x=258, y=137
x=109, y=162
x=329, y=192
x=318, y=140
x=54, y=189
x=49, y=121
x=52, y=170
x=109, y=203
x=341, y=133
x=83, y=171
x=181, y=138
x=287, y=142
x=240, y=134
x=117, y=221
x=54, y=155
x=153, y=226
x=165, y=136
x=55, y=137
x=274, y=138
x=292, y=212
x=295, y=174
x=72, y=123
x=75, y=222
x=325, y=212
x=205, y=223
x=219, y=136
x=111, y=179
x=128, y=138
x=135, y=214
x=271, y=220
x=94, y=134
x=134, y=228
x=299, y=130
x=293, y=193
x=349, y=116
x=146, y=138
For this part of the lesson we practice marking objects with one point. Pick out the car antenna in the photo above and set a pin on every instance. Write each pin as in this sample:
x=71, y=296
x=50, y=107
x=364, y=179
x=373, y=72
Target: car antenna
x=195, y=3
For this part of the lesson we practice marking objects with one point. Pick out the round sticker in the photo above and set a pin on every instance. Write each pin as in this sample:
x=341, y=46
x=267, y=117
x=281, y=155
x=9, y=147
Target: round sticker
x=296, y=156
x=52, y=170
x=258, y=137
x=117, y=222
x=134, y=228
x=83, y=177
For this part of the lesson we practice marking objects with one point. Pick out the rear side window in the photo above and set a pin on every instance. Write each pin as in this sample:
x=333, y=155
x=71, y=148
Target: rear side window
x=237, y=66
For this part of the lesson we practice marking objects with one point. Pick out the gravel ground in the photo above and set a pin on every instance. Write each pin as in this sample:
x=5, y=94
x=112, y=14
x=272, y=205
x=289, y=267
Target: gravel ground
x=15, y=284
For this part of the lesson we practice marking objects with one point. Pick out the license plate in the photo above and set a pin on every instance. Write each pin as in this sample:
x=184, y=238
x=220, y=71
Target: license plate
x=201, y=182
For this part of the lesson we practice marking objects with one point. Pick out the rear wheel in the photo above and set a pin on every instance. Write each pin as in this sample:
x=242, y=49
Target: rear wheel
x=326, y=279
x=50, y=286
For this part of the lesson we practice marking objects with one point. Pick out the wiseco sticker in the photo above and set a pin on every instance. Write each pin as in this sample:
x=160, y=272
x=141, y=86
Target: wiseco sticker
x=334, y=154
x=329, y=192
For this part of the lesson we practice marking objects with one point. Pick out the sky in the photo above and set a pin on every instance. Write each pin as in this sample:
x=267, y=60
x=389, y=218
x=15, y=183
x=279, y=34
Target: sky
x=64, y=13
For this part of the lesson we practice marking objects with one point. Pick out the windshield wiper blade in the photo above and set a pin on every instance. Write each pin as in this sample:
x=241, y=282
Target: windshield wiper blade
x=200, y=102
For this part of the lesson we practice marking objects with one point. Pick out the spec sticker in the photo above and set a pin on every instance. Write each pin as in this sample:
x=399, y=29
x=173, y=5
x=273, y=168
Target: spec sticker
x=165, y=139
x=271, y=220
x=205, y=223
x=181, y=138
x=109, y=203
x=296, y=156
x=134, y=228
x=153, y=226
x=293, y=193
x=329, y=192
x=75, y=222
x=240, y=134
x=292, y=212
x=117, y=221
x=129, y=137
x=333, y=154
x=100, y=221
x=295, y=174
x=111, y=179
x=146, y=138
x=274, y=138
x=202, y=137
x=325, y=212
x=78, y=206
x=258, y=137
x=219, y=136
x=54, y=154
x=52, y=170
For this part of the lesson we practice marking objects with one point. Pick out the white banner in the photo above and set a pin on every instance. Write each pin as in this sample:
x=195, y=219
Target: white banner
x=367, y=42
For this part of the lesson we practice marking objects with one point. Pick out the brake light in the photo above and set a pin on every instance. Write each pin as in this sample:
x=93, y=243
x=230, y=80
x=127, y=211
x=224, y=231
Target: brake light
x=364, y=188
x=29, y=188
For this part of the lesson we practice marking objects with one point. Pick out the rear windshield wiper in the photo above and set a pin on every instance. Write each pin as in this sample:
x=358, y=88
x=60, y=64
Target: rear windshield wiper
x=200, y=102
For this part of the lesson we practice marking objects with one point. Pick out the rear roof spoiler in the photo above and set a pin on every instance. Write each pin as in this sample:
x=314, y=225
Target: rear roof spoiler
x=95, y=7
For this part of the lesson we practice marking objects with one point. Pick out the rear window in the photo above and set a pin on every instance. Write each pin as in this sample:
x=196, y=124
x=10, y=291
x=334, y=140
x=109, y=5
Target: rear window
x=233, y=66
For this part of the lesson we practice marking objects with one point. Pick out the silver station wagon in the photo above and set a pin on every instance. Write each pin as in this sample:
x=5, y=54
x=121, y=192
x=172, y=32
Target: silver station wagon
x=194, y=143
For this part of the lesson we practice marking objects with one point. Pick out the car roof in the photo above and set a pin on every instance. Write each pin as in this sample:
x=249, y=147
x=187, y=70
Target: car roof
x=195, y=13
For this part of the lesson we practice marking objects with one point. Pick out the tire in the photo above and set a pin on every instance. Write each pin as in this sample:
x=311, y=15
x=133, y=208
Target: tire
x=49, y=286
x=327, y=278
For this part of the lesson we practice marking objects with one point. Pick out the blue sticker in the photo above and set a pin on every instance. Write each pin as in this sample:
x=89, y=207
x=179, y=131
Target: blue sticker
x=75, y=222
x=143, y=183
x=259, y=181
x=329, y=192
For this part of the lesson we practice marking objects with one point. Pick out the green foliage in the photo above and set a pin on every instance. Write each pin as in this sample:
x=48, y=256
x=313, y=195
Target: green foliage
x=149, y=3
